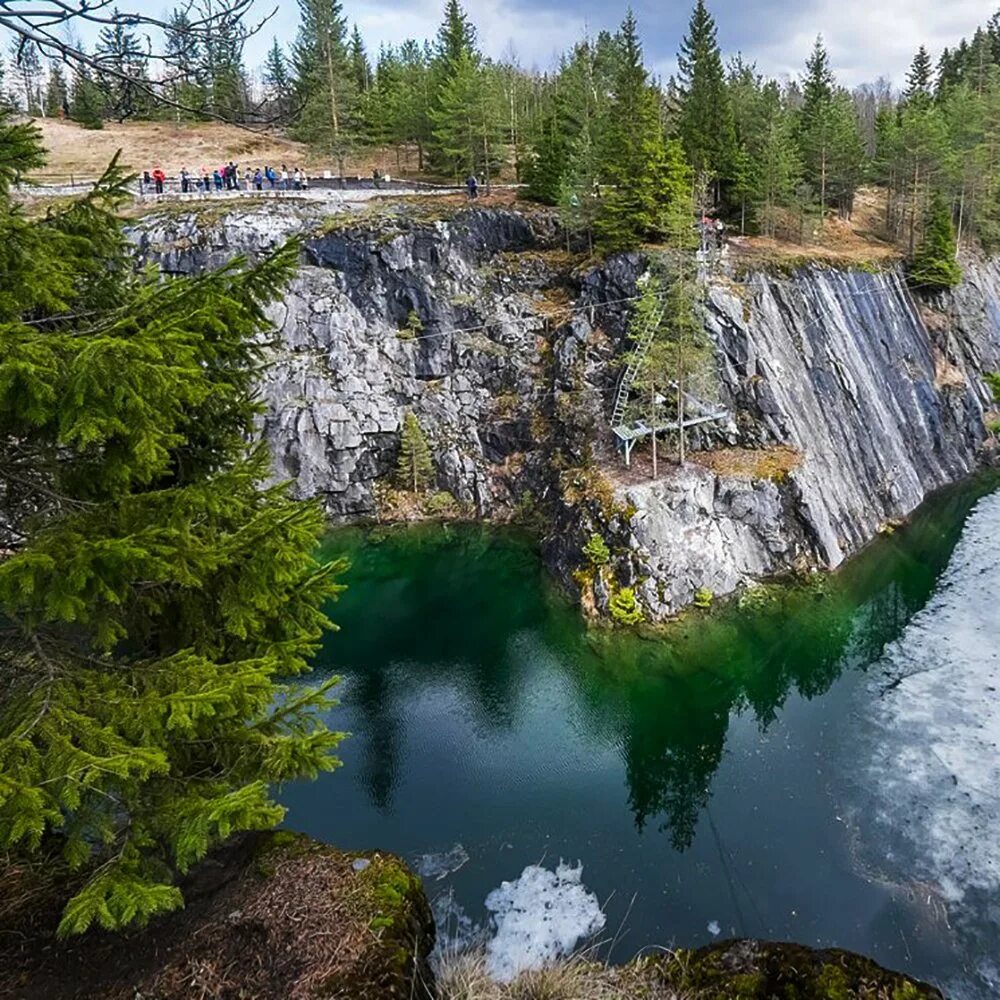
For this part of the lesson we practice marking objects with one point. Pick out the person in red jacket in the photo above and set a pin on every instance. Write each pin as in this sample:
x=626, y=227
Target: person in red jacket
x=158, y=178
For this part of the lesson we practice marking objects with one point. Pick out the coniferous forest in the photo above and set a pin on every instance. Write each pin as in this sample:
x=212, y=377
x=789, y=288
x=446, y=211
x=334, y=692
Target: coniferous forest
x=596, y=135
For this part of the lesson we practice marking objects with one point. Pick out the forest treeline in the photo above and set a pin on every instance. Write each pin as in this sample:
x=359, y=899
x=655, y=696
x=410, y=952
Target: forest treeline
x=599, y=135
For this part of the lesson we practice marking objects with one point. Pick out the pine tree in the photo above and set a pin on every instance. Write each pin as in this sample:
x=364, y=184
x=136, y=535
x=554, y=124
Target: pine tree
x=277, y=81
x=415, y=467
x=934, y=265
x=324, y=81
x=632, y=155
x=56, y=94
x=85, y=100
x=120, y=52
x=706, y=119
x=153, y=594
x=918, y=79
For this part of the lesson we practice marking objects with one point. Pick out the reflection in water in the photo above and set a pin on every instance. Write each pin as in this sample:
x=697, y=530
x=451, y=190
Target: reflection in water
x=685, y=770
x=442, y=605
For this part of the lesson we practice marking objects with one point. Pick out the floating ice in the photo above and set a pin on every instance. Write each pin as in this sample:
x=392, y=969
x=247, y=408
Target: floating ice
x=539, y=917
x=438, y=866
x=713, y=928
x=929, y=794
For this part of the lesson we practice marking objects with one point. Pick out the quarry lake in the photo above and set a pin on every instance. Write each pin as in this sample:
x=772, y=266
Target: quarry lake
x=814, y=762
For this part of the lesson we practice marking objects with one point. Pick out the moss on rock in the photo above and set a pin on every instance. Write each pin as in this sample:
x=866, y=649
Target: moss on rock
x=756, y=970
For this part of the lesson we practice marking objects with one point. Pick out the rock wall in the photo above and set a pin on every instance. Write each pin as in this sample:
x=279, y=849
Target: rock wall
x=482, y=328
x=882, y=397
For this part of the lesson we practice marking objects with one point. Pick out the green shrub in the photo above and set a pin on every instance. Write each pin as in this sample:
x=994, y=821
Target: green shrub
x=596, y=550
x=413, y=326
x=625, y=608
x=703, y=597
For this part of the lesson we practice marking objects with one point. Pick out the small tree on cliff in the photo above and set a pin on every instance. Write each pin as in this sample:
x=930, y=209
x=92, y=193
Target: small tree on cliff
x=934, y=264
x=152, y=594
x=415, y=468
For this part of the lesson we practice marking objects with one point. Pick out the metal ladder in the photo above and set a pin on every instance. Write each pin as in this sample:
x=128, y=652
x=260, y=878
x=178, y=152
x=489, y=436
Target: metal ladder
x=642, y=343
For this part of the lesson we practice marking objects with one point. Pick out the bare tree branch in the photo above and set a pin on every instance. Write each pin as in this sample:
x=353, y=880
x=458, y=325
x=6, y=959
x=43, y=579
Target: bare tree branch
x=48, y=25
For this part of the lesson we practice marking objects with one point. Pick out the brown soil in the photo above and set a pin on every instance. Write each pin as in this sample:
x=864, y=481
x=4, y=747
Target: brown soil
x=859, y=240
x=275, y=915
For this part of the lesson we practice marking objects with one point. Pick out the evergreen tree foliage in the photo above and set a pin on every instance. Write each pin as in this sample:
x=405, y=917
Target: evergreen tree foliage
x=361, y=69
x=918, y=79
x=183, y=50
x=153, y=595
x=324, y=79
x=633, y=155
x=120, y=53
x=277, y=81
x=86, y=102
x=828, y=136
x=56, y=93
x=706, y=118
x=415, y=467
x=934, y=265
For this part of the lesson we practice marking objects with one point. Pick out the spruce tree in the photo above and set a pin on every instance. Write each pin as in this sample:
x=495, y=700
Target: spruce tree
x=183, y=53
x=632, y=155
x=324, y=82
x=454, y=78
x=706, y=118
x=120, y=51
x=86, y=102
x=934, y=265
x=154, y=597
x=277, y=81
x=414, y=467
x=56, y=94
x=918, y=79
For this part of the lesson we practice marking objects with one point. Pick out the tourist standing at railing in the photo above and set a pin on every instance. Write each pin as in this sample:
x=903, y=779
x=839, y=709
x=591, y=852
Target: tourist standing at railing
x=158, y=178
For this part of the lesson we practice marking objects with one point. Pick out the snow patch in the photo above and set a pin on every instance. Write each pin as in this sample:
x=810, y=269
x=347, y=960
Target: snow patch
x=539, y=917
x=438, y=866
x=929, y=806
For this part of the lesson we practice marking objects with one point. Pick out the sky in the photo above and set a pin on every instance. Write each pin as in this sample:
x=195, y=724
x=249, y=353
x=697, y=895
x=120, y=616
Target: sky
x=866, y=38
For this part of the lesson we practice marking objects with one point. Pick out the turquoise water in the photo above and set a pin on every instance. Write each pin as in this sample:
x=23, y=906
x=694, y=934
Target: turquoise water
x=695, y=776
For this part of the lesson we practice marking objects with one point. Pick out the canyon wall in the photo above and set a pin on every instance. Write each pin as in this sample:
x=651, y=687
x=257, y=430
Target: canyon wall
x=505, y=349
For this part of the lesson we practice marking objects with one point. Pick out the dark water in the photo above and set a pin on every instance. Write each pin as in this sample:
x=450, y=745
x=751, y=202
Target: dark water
x=694, y=776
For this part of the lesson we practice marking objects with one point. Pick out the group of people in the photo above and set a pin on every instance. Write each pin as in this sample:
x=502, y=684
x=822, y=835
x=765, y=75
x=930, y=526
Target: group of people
x=230, y=177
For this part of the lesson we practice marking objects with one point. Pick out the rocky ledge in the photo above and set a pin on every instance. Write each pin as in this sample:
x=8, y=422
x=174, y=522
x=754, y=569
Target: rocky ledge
x=279, y=915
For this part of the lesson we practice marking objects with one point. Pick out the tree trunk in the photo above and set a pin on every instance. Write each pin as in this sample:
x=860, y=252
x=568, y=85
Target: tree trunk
x=652, y=416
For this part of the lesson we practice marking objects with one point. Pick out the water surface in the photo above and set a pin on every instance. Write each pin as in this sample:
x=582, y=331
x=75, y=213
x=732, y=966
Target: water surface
x=707, y=780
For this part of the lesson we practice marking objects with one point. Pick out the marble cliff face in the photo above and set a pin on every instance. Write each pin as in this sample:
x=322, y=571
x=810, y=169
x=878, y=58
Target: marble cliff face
x=480, y=326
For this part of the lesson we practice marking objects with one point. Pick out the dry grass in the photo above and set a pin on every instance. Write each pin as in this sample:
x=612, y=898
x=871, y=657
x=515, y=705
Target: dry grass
x=74, y=151
x=773, y=463
x=465, y=977
x=859, y=240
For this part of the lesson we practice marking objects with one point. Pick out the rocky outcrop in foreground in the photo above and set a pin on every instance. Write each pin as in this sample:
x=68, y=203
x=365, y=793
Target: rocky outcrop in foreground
x=281, y=916
x=272, y=916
